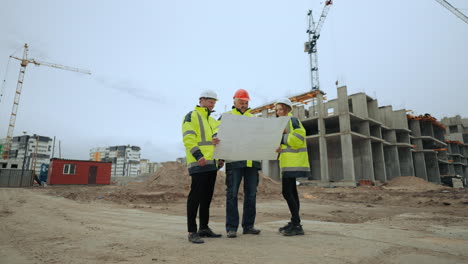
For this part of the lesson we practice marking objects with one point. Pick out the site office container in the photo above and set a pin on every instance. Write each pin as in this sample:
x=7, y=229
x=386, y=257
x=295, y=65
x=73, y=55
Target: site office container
x=65, y=171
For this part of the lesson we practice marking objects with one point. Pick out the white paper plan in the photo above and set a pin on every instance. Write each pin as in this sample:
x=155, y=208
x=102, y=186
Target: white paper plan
x=249, y=138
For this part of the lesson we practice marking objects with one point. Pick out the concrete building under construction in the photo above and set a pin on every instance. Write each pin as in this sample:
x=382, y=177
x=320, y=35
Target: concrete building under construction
x=352, y=140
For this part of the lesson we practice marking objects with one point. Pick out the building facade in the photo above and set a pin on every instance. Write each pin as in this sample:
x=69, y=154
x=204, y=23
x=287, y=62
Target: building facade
x=125, y=159
x=29, y=152
x=148, y=167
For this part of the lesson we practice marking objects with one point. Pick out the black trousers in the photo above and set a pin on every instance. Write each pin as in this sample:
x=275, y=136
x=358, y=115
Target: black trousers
x=199, y=198
x=289, y=190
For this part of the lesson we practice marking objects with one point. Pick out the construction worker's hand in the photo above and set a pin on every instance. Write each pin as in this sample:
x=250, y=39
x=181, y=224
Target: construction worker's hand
x=278, y=150
x=202, y=161
x=215, y=141
x=220, y=164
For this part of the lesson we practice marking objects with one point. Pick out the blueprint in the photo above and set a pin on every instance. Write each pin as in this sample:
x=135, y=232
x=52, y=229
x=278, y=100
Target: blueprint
x=249, y=138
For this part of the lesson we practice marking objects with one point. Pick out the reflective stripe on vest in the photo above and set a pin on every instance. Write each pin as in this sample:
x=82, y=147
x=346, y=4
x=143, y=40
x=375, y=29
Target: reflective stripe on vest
x=291, y=150
x=194, y=149
x=295, y=169
x=194, y=164
x=189, y=132
x=298, y=136
x=204, y=142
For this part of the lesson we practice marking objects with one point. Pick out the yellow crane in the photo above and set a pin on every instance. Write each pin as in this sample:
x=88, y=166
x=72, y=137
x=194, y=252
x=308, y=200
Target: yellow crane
x=24, y=62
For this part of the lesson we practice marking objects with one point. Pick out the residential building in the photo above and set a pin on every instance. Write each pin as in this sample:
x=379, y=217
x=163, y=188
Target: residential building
x=29, y=152
x=125, y=159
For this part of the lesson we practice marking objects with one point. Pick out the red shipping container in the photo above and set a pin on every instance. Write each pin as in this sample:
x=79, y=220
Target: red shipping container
x=64, y=171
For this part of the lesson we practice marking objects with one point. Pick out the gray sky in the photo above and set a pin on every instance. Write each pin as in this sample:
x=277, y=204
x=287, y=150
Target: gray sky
x=151, y=59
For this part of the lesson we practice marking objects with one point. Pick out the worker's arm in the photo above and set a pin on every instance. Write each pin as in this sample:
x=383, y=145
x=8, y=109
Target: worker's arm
x=190, y=138
x=297, y=136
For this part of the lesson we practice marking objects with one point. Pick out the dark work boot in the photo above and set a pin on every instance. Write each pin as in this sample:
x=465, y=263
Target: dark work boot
x=285, y=227
x=207, y=232
x=195, y=238
x=231, y=234
x=251, y=231
x=293, y=230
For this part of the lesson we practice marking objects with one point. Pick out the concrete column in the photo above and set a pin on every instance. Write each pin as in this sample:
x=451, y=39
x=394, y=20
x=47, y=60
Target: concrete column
x=392, y=164
x=427, y=129
x=418, y=157
x=379, y=162
x=270, y=168
x=346, y=138
x=399, y=119
x=363, y=162
x=322, y=141
x=432, y=164
x=372, y=107
x=419, y=165
x=406, y=161
x=360, y=105
x=299, y=112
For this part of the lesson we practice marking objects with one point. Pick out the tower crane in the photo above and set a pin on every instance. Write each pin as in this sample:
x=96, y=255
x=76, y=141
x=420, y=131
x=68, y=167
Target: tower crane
x=311, y=46
x=24, y=62
x=453, y=10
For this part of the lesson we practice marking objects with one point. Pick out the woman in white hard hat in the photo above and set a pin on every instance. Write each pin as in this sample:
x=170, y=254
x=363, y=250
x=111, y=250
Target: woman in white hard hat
x=294, y=163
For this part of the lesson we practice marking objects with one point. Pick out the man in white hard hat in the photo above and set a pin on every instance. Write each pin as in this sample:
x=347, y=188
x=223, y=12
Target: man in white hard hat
x=197, y=130
x=294, y=163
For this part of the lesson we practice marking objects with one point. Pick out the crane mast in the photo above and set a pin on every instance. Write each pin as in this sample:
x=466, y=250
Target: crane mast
x=310, y=47
x=24, y=62
x=453, y=10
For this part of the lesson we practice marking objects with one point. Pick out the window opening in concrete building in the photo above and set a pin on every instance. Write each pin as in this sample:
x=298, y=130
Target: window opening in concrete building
x=403, y=137
x=311, y=127
x=335, y=159
x=350, y=105
x=453, y=129
x=375, y=131
x=14, y=166
x=332, y=125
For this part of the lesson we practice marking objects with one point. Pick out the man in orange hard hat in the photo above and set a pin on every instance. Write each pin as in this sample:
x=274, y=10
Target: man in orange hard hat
x=235, y=171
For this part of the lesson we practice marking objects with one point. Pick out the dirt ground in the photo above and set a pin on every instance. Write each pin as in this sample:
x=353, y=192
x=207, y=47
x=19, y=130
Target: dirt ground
x=405, y=221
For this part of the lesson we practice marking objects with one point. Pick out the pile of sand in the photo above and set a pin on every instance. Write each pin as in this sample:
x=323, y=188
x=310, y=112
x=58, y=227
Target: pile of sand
x=411, y=183
x=173, y=177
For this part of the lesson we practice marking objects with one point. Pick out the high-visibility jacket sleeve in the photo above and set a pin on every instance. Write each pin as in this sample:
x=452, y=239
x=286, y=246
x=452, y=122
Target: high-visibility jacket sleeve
x=189, y=132
x=297, y=135
x=215, y=125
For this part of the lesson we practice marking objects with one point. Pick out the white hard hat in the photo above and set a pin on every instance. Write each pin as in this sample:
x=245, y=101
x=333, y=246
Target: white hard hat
x=209, y=94
x=284, y=101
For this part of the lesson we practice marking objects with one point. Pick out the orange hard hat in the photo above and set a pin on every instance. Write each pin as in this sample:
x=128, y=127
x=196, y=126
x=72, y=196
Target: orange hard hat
x=242, y=94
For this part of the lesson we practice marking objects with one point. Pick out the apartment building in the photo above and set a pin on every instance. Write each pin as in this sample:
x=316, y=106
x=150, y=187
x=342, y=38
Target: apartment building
x=29, y=152
x=125, y=159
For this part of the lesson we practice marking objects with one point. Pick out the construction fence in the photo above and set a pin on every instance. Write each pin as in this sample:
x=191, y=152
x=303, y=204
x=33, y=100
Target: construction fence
x=16, y=178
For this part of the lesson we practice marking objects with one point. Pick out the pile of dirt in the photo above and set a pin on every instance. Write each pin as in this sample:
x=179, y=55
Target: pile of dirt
x=411, y=183
x=170, y=183
x=173, y=177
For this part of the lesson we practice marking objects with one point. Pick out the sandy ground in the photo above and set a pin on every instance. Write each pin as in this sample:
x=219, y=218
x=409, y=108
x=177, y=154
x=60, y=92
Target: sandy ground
x=134, y=224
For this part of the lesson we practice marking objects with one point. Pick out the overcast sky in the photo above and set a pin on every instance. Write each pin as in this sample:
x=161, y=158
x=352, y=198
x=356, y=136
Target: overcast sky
x=151, y=59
